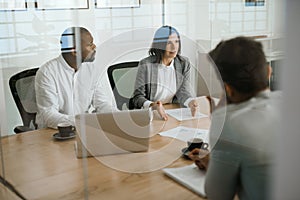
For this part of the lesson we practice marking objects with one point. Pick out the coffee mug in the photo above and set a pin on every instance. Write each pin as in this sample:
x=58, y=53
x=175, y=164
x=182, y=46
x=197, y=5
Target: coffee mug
x=197, y=143
x=65, y=129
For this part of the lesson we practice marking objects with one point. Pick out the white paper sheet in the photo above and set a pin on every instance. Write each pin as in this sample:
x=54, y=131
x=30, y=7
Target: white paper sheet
x=184, y=133
x=189, y=176
x=182, y=114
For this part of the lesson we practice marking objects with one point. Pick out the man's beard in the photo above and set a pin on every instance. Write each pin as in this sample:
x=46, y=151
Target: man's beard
x=90, y=57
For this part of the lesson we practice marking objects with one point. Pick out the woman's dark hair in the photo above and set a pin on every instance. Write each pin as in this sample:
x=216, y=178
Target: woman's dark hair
x=160, y=41
x=242, y=64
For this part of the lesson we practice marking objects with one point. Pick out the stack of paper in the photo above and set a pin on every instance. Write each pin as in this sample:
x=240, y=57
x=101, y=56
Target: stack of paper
x=182, y=114
x=189, y=176
x=184, y=133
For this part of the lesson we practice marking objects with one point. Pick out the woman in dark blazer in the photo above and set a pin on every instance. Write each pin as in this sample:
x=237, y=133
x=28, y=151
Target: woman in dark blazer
x=164, y=76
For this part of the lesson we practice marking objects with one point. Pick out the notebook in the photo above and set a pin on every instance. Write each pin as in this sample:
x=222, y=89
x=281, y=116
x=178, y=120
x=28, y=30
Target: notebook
x=189, y=176
x=112, y=133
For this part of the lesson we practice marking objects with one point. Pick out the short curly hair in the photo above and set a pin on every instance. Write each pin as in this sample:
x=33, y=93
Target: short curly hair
x=68, y=39
x=242, y=64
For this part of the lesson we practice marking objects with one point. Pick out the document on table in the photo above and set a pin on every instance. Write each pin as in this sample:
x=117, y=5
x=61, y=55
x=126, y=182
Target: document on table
x=189, y=176
x=184, y=133
x=182, y=114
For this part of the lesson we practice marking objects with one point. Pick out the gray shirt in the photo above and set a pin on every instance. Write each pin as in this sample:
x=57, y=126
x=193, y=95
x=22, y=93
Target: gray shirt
x=242, y=159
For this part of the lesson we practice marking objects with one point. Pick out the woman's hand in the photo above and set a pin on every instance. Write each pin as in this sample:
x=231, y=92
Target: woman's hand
x=200, y=157
x=160, y=109
x=193, y=105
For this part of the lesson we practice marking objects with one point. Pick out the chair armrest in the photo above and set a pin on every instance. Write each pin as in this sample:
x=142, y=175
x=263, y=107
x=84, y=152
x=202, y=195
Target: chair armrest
x=22, y=129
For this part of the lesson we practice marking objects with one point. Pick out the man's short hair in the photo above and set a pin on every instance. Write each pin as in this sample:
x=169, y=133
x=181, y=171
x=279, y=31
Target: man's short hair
x=242, y=64
x=68, y=38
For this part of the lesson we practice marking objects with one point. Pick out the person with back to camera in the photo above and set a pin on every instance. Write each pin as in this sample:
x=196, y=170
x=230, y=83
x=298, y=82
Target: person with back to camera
x=164, y=76
x=242, y=160
x=69, y=85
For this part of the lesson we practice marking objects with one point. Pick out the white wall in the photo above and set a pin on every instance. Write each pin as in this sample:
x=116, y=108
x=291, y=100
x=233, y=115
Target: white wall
x=3, y=119
x=30, y=38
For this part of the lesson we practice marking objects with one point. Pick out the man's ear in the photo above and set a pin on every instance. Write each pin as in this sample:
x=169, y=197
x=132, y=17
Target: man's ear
x=229, y=90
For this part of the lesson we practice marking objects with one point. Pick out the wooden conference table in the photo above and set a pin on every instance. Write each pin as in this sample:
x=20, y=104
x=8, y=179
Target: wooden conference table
x=39, y=167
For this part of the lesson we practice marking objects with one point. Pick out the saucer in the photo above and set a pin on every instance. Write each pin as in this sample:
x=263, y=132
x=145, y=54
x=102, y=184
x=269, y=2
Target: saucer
x=56, y=136
x=185, y=152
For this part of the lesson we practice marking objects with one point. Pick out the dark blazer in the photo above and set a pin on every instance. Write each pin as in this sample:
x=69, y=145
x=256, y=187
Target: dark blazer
x=146, y=81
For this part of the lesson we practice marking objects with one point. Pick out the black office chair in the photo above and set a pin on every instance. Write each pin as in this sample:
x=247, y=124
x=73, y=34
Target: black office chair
x=23, y=92
x=122, y=78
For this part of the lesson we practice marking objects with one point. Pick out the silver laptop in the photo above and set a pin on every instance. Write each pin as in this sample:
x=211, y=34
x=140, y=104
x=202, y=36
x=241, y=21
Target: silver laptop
x=112, y=133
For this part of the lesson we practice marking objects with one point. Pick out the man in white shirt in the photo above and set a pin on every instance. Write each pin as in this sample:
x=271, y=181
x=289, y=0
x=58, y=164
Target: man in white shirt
x=70, y=84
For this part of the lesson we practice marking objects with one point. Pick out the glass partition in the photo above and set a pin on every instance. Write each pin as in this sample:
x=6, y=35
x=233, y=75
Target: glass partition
x=36, y=161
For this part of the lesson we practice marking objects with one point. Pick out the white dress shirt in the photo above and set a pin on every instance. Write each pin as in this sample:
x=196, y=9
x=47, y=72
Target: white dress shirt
x=61, y=93
x=166, y=79
x=166, y=85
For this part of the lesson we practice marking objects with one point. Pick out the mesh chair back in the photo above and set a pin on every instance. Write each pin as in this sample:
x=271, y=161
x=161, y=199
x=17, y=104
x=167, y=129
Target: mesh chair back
x=22, y=88
x=122, y=78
